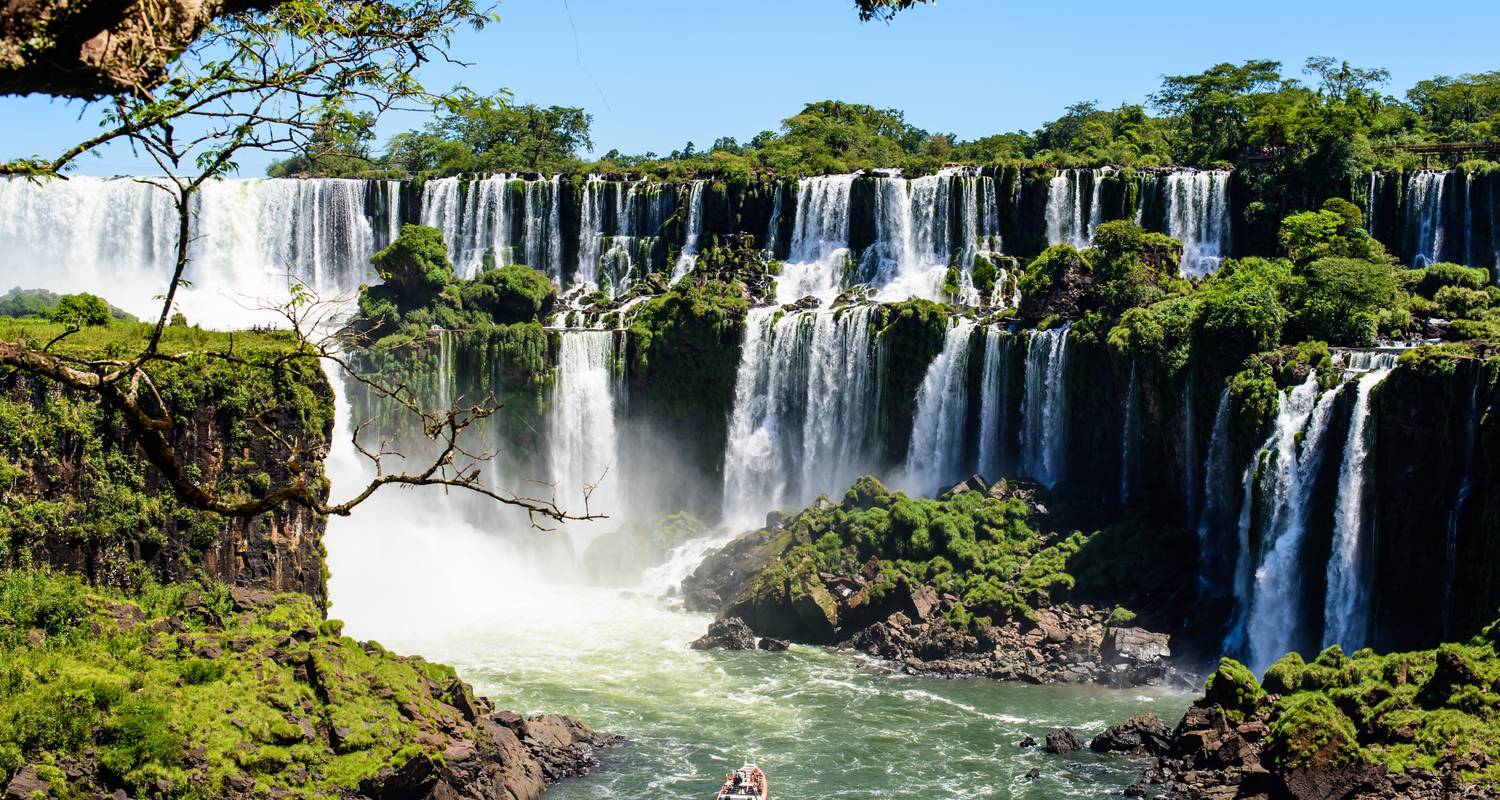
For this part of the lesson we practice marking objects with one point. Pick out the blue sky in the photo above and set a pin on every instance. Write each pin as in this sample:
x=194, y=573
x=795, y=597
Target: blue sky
x=658, y=73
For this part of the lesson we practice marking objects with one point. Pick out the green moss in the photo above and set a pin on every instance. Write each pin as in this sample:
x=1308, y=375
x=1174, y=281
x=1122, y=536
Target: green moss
x=117, y=680
x=1308, y=730
x=1233, y=688
x=76, y=479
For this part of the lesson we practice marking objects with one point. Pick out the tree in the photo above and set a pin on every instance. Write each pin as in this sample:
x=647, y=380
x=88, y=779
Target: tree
x=270, y=81
x=883, y=9
x=490, y=134
x=1213, y=108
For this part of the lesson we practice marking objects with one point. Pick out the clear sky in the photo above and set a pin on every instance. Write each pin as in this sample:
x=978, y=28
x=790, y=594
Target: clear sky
x=656, y=74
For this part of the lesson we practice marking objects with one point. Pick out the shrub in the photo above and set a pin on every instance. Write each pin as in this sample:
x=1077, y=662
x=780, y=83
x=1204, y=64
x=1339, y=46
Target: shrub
x=415, y=265
x=81, y=310
x=1337, y=300
x=1233, y=688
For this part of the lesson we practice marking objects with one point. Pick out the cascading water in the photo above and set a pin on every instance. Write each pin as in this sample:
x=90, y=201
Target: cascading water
x=1296, y=450
x=1129, y=431
x=1346, y=604
x=1455, y=515
x=582, y=444
x=499, y=219
x=804, y=410
x=1215, y=547
x=820, y=239
x=689, y=255
x=248, y=237
x=935, y=458
x=1065, y=217
x=1043, y=407
x=924, y=225
x=1424, y=216
x=994, y=404
x=1198, y=215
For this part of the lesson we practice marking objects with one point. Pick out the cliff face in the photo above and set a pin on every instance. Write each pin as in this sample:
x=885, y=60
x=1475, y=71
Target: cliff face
x=80, y=494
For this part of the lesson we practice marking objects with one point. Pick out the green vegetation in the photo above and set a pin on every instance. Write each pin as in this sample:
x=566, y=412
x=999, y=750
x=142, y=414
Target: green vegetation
x=980, y=548
x=183, y=692
x=1397, y=710
x=1299, y=140
x=421, y=292
x=75, y=480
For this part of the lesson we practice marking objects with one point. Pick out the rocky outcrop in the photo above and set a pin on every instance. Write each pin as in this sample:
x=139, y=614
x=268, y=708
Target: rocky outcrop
x=1217, y=757
x=1141, y=735
x=85, y=498
x=1062, y=741
x=730, y=633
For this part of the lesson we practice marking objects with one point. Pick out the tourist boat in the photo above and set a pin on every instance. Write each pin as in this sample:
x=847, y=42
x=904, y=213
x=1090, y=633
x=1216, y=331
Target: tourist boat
x=745, y=783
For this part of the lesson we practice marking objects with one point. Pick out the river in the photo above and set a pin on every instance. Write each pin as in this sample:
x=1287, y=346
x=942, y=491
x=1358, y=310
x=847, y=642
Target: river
x=823, y=724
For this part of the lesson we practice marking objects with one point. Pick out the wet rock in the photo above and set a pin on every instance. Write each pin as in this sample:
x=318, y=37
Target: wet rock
x=1144, y=734
x=774, y=645
x=1062, y=741
x=1026, y=742
x=1033, y=773
x=730, y=633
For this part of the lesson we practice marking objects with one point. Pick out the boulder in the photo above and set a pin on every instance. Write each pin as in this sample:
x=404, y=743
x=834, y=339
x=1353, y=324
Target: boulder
x=730, y=633
x=1144, y=734
x=1062, y=741
x=1135, y=647
x=774, y=645
x=25, y=784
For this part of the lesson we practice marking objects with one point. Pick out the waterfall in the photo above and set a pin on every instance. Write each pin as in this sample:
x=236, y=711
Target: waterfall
x=925, y=225
x=1455, y=515
x=1189, y=451
x=1346, y=605
x=1214, y=549
x=581, y=441
x=445, y=398
x=479, y=220
x=392, y=211
x=804, y=412
x=1295, y=452
x=1424, y=216
x=1065, y=222
x=820, y=239
x=1128, y=432
x=248, y=238
x=773, y=229
x=1043, y=407
x=1198, y=215
x=689, y=256
x=934, y=460
x=994, y=404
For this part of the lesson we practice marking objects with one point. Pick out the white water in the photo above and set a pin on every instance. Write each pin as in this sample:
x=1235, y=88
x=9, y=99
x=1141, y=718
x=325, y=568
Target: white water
x=1043, y=407
x=689, y=256
x=1215, y=548
x=478, y=221
x=804, y=412
x=1296, y=448
x=582, y=442
x=1346, y=604
x=915, y=241
x=1455, y=515
x=1068, y=221
x=935, y=457
x=250, y=239
x=820, y=239
x=1424, y=216
x=994, y=404
x=1198, y=215
x=1129, y=431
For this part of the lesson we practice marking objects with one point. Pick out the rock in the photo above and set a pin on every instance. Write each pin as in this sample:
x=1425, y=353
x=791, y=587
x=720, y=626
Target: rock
x=774, y=645
x=975, y=483
x=1144, y=734
x=922, y=603
x=1027, y=742
x=250, y=599
x=1033, y=773
x=1062, y=741
x=1135, y=646
x=24, y=784
x=726, y=634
